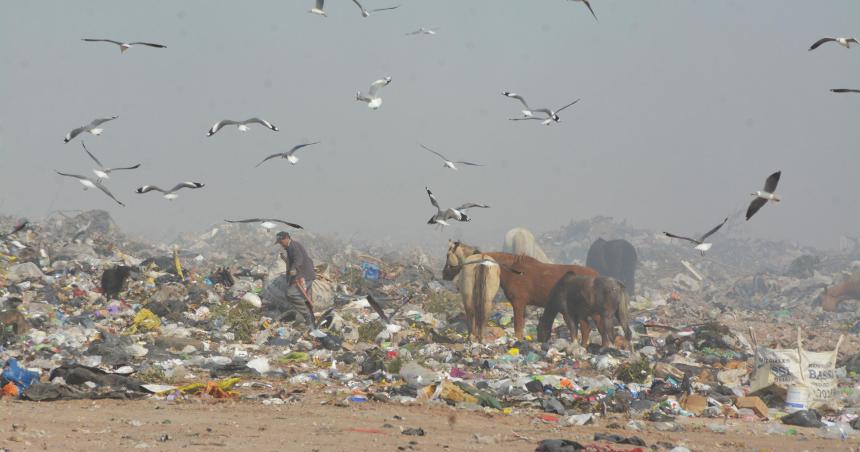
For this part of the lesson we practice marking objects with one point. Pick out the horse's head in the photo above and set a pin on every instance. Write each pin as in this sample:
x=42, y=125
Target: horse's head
x=457, y=252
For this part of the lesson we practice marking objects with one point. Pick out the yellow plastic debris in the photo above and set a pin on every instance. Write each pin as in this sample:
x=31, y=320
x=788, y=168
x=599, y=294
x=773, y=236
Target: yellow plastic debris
x=177, y=264
x=514, y=351
x=144, y=320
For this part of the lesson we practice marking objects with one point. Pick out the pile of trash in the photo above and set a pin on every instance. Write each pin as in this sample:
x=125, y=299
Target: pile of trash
x=190, y=319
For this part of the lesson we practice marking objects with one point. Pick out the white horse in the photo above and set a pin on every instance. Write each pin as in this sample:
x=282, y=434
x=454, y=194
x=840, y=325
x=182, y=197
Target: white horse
x=521, y=241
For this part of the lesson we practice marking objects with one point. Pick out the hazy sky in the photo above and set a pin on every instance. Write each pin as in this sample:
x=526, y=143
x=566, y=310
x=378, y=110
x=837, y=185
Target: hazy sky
x=686, y=108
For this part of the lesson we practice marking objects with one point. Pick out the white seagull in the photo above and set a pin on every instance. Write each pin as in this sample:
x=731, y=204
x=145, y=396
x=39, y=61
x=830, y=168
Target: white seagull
x=700, y=242
x=442, y=216
x=318, y=8
x=589, y=7
x=373, y=101
x=845, y=90
x=102, y=172
x=365, y=12
x=89, y=183
x=123, y=46
x=763, y=196
x=92, y=127
x=267, y=223
x=289, y=155
x=551, y=115
x=242, y=125
x=527, y=112
x=422, y=31
x=169, y=194
x=448, y=163
x=844, y=42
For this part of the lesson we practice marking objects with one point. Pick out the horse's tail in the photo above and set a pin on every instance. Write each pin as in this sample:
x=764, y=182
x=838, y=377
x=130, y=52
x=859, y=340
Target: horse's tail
x=479, y=290
x=623, y=313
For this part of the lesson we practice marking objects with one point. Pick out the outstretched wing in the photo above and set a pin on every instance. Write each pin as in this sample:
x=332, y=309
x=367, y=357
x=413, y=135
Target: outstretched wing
x=279, y=154
x=819, y=42
x=470, y=205
x=319, y=4
x=374, y=87
x=845, y=90
x=432, y=198
x=99, y=121
x=160, y=46
x=384, y=9
x=261, y=121
x=772, y=180
x=149, y=188
x=517, y=97
x=218, y=125
x=681, y=237
x=530, y=118
x=568, y=105
x=102, y=40
x=108, y=170
x=431, y=150
x=73, y=133
x=755, y=205
x=589, y=8
x=376, y=307
x=76, y=176
x=469, y=163
x=107, y=192
x=299, y=146
x=249, y=220
x=275, y=220
x=91, y=155
x=712, y=231
x=182, y=185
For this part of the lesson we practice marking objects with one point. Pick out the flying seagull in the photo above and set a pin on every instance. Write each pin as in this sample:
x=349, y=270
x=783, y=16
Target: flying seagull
x=763, y=196
x=89, y=183
x=422, y=31
x=267, y=223
x=527, y=112
x=242, y=125
x=449, y=163
x=589, y=7
x=289, y=155
x=845, y=90
x=102, y=172
x=551, y=115
x=123, y=46
x=700, y=242
x=169, y=194
x=92, y=127
x=442, y=216
x=365, y=12
x=318, y=8
x=373, y=101
x=844, y=42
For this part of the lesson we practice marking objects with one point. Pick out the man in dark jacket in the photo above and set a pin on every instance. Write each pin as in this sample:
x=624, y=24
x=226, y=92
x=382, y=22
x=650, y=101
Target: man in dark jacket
x=300, y=271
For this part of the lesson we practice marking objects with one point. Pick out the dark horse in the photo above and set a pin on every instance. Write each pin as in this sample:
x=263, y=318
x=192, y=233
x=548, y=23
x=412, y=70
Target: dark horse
x=599, y=297
x=615, y=258
x=529, y=283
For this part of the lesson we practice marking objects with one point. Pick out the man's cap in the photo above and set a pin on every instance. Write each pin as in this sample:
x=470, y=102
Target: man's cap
x=281, y=236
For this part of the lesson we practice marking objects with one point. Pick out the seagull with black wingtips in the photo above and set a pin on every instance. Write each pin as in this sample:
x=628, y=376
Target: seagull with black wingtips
x=169, y=194
x=92, y=127
x=123, y=46
x=701, y=245
x=442, y=216
x=447, y=162
x=267, y=223
x=289, y=155
x=89, y=183
x=242, y=125
x=844, y=42
x=765, y=195
x=103, y=172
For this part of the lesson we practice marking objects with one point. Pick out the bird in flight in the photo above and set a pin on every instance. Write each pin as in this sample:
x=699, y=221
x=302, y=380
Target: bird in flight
x=92, y=127
x=765, y=195
x=289, y=155
x=701, y=245
x=123, y=46
x=89, y=183
x=844, y=42
x=169, y=194
x=102, y=172
x=242, y=125
x=447, y=162
x=267, y=223
x=442, y=216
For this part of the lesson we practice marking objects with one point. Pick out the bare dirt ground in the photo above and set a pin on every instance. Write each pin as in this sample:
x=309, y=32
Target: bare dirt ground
x=308, y=425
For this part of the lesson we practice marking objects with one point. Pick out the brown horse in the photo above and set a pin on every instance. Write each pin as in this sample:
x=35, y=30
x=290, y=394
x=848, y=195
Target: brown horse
x=525, y=281
x=601, y=298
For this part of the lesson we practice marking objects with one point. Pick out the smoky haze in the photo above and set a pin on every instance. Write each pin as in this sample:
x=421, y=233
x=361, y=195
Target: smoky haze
x=686, y=108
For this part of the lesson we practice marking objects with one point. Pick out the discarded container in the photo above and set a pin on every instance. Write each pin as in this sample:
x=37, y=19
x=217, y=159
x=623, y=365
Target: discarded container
x=796, y=399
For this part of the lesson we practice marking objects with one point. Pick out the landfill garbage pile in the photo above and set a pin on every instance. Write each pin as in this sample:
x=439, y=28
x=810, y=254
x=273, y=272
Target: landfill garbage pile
x=189, y=320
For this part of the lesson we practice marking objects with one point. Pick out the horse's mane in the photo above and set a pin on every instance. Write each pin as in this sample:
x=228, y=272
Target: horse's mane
x=474, y=249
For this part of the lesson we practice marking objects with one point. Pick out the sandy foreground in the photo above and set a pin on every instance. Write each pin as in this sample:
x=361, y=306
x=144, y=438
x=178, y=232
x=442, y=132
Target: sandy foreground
x=314, y=423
